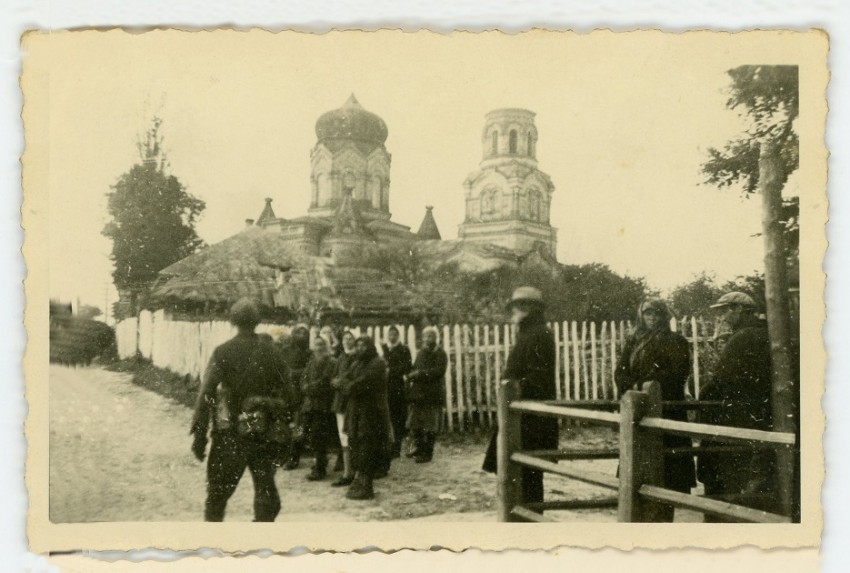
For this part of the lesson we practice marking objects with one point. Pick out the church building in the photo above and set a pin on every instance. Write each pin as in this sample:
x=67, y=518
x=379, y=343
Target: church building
x=306, y=262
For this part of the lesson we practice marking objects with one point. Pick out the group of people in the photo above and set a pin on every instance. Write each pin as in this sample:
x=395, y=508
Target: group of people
x=266, y=400
x=739, y=386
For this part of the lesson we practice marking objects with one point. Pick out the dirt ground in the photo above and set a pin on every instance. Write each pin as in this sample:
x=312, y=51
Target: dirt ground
x=119, y=452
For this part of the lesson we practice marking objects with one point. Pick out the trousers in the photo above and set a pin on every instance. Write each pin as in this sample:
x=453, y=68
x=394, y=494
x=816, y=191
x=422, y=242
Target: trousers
x=229, y=455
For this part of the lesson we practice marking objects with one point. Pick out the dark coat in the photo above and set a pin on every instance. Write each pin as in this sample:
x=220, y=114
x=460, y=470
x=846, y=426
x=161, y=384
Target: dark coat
x=742, y=382
x=296, y=354
x=316, y=385
x=427, y=380
x=664, y=357
x=246, y=366
x=366, y=385
x=340, y=400
x=399, y=363
x=532, y=363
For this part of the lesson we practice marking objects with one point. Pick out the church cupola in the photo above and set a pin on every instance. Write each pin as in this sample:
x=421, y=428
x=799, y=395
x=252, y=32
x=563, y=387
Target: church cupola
x=350, y=157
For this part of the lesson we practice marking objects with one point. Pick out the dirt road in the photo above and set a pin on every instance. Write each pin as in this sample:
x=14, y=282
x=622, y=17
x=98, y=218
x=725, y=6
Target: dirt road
x=121, y=453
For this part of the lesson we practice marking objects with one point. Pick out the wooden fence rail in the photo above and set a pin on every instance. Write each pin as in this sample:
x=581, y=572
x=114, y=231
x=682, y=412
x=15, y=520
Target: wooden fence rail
x=641, y=453
x=586, y=355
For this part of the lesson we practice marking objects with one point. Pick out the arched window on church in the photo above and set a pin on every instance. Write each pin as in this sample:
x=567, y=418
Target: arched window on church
x=494, y=143
x=534, y=205
x=530, y=145
x=489, y=202
x=512, y=141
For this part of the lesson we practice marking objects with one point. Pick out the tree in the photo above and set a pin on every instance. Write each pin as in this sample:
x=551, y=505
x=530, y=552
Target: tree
x=761, y=161
x=696, y=297
x=153, y=219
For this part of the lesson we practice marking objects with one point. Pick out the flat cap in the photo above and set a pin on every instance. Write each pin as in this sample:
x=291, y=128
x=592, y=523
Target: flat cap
x=731, y=298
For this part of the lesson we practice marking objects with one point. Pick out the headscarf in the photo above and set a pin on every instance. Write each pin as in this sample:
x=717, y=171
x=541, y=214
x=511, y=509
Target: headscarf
x=433, y=329
x=371, y=351
x=643, y=335
x=353, y=344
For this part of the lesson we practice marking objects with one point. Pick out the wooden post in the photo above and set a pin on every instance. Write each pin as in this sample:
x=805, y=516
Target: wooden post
x=641, y=455
x=509, y=441
x=614, y=391
x=411, y=342
x=461, y=394
x=695, y=334
x=584, y=372
x=556, y=336
x=594, y=368
x=488, y=385
x=576, y=362
x=603, y=362
x=476, y=339
x=447, y=348
x=565, y=328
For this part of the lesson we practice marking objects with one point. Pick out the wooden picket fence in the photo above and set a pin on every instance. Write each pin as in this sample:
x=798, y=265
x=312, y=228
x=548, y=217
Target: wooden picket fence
x=586, y=355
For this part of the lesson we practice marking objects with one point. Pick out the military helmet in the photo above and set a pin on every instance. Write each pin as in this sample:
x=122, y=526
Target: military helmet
x=244, y=313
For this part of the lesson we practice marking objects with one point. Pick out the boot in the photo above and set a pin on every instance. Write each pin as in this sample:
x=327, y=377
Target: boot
x=361, y=489
x=426, y=453
x=347, y=473
x=416, y=436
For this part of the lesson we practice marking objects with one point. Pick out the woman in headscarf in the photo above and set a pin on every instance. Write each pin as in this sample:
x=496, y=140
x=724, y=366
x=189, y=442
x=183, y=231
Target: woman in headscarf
x=425, y=395
x=655, y=353
x=340, y=404
x=366, y=422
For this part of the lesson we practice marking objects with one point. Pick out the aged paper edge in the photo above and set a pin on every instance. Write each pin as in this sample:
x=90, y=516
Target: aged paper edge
x=810, y=48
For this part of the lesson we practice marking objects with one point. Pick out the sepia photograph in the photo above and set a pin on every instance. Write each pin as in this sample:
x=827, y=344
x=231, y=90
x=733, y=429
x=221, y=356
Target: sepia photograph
x=418, y=279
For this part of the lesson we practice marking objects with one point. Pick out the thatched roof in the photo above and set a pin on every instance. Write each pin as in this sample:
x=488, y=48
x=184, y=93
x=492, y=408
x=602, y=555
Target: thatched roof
x=261, y=265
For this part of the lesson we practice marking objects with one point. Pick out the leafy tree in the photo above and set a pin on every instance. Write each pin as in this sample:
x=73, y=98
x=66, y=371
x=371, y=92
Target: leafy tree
x=153, y=219
x=761, y=161
x=696, y=297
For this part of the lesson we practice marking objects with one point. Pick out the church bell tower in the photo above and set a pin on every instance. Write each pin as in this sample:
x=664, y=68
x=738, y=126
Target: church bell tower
x=508, y=198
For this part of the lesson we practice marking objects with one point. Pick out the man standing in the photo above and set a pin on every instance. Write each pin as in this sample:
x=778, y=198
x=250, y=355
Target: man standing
x=247, y=393
x=399, y=363
x=296, y=355
x=741, y=382
x=317, y=407
x=531, y=362
x=426, y=395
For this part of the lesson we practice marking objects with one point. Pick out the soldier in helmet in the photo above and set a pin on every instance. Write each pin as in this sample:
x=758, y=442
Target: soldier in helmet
x=247, y=395
x=531, y=362
x=741, y=382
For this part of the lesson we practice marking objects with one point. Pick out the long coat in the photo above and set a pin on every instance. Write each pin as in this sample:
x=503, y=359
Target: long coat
x=399, y=363
x=316, y=385
x=428, y=377
x=532, y=363
x=340, y=401
x=741, y=382
x=366, y=421
x=664, y=357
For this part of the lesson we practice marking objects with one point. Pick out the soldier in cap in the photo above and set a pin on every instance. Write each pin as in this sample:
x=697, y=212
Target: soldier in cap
x=531, y=362
x=247, y=395
x=741, y=382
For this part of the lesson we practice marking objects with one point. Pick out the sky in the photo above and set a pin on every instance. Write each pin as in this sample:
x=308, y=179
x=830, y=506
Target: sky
x=624, y=126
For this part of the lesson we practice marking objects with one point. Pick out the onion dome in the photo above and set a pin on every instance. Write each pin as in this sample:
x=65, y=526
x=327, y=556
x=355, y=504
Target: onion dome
x=352, y=122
